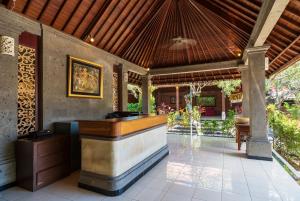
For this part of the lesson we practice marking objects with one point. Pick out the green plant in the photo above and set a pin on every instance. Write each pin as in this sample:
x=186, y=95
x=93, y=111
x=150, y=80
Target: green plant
x=185, y=121
x=133, y=107
x=136, y=91
x=172, y=119
x=228, y=123
x=196, y=115
x=293, y=111
x=206, y=126
x=214, y=126
x=228, y=86
x=286, y=133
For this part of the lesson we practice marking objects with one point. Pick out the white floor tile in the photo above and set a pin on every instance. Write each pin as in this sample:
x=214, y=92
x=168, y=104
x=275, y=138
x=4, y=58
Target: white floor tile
x=208, y=169
x=207, y=195
x=234, y=197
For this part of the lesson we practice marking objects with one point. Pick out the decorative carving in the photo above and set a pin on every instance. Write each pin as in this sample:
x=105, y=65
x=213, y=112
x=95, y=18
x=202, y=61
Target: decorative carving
x=115, y=92
x=7, y=45
x=26, y=91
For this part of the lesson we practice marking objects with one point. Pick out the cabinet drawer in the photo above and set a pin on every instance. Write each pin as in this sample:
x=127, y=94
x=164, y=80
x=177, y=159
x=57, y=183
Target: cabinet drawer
x=50, y=161
x=50, y=175
x=50, y=147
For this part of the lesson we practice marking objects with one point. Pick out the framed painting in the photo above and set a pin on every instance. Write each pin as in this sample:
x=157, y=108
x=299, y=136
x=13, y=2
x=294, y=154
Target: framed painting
x=85, y=78
x=172, y=99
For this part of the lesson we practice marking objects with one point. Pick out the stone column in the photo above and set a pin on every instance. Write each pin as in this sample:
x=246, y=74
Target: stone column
x=245, y=87
x=177, y=98
x=123, y=90
x=223, y=106
x=146, y=94
x=258, y=145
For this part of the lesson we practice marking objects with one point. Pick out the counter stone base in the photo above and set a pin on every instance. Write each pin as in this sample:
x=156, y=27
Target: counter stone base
x=113, y=186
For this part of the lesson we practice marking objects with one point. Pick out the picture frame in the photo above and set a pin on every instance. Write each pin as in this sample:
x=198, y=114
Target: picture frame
x=172, y=99
x=85, y=78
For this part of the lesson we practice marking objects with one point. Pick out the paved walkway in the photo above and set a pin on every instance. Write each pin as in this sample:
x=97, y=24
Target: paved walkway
x=209, y=169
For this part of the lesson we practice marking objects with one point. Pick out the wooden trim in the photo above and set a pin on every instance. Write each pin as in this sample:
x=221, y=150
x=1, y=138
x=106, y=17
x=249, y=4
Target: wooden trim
x=114, y=128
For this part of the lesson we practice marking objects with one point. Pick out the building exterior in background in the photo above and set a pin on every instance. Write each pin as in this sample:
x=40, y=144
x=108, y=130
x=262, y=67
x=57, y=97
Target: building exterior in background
x=211, y=100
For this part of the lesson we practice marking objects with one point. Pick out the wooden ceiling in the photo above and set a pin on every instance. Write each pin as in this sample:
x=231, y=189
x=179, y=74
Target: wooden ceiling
x=142, y=31
x=134, y=78
x=285, y=39
x=186, y=78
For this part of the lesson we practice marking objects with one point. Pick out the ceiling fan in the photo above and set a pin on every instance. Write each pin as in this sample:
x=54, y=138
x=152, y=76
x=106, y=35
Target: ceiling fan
x=180, y=43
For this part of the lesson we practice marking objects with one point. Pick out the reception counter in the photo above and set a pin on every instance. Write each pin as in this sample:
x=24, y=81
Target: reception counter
x=117, y=152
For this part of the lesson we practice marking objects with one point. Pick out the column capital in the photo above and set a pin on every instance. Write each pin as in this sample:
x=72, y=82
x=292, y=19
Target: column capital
x=259, y=49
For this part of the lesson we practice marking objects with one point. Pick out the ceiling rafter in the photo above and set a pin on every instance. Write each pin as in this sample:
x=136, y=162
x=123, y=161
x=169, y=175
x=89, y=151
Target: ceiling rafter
x=95, y=20
x=283, y=51
x=58, y=13
x=71, y=15
x=84, y=16
x=139, y=27
x=106, y=22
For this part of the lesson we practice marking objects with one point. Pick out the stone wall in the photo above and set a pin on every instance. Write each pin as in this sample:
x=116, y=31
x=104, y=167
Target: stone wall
x=56, y=105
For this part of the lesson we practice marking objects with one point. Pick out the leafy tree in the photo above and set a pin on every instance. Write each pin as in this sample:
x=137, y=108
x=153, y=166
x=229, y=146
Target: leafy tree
x=285, y=84
x=228, y=86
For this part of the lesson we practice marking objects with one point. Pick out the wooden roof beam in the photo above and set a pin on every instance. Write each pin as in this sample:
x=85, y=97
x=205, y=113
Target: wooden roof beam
x=95, y=20
x=196, y=68
x=269, y=14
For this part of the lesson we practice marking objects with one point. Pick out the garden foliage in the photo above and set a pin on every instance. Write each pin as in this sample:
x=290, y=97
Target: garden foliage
x=286, y=134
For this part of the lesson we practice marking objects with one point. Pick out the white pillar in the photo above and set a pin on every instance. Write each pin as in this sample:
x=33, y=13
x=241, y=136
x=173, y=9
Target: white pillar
x=245, y=87
x=177, y=98
x=258, y=146
x=146, y=94
x=223, y=106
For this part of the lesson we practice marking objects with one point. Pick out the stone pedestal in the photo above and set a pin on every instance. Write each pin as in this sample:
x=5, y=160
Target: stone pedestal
x=258, y=146
x=146, y=94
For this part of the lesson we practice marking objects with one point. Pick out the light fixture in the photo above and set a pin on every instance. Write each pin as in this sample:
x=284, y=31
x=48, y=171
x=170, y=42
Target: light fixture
x=7, y=45
x=91, y=38
x=239, y=54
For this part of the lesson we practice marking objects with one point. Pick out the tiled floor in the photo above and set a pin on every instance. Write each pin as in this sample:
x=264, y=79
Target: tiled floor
x=209, y=169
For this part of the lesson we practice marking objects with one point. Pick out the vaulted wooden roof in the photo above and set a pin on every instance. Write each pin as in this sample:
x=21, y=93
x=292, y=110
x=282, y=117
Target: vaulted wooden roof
x=142, y=31
x=145, y=32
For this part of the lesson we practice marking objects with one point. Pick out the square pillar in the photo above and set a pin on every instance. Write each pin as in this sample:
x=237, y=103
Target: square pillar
x=146, y=94
x=123, y=90
x=258, y=145
x=245, y=87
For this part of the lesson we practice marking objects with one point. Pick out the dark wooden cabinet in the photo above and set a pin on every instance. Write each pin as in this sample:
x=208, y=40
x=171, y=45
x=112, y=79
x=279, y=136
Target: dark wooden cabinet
x=42, y=161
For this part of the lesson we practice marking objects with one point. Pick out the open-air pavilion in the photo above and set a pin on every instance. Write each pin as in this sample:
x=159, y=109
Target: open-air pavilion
x=65, y=67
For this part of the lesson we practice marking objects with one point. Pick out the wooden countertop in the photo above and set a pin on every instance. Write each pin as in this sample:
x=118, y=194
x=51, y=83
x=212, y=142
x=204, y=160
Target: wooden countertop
x=118, y=127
